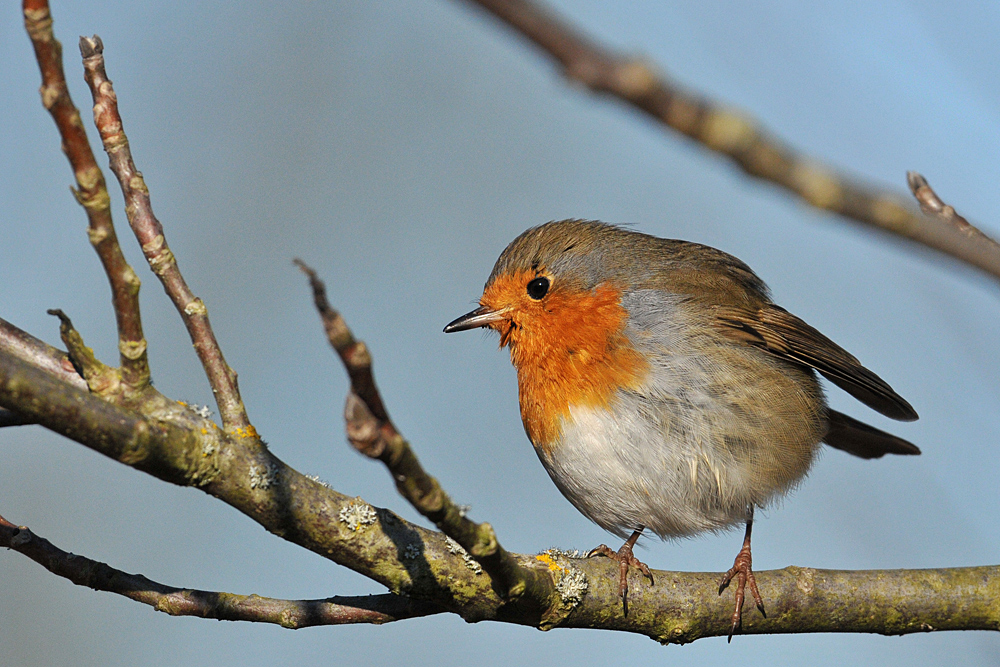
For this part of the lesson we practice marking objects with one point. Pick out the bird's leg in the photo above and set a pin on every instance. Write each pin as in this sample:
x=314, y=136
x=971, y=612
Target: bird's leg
x=625, y=559
x=743, y=572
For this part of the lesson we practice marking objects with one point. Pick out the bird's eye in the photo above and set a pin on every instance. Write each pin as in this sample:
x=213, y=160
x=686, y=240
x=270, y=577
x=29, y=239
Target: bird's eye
x=538, y=288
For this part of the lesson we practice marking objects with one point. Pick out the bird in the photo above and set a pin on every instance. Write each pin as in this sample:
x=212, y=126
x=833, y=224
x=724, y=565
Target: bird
x=663, y=390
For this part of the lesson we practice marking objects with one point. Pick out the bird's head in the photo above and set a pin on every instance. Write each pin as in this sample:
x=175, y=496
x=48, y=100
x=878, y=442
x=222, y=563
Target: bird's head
x=555, y=298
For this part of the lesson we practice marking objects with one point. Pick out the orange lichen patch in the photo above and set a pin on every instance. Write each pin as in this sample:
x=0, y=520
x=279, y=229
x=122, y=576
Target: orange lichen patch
x=569, y=348
x=548, y=560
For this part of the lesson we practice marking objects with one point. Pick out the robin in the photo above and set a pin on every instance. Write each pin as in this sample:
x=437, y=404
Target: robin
x=661, y=387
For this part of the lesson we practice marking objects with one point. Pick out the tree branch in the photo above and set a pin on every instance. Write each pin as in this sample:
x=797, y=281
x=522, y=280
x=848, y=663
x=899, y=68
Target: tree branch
x=736, y=136
x=683, y=607
x=90, y=420
x=39, y=354
x=42, y=356
x=171, y=442
x=372, y=433
x=91, y=193
x=149, y=233
x=292, y=614
x=11, y=418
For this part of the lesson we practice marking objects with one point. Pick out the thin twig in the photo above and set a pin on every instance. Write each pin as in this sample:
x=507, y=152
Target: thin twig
x=149, y=232
x=91, y=192
x=293, y=614
x=372, y=433
x=734, y=135
x=933, y=206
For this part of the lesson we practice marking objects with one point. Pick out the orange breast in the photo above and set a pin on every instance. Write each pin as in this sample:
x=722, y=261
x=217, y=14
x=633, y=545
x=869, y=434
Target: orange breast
x=569, y=349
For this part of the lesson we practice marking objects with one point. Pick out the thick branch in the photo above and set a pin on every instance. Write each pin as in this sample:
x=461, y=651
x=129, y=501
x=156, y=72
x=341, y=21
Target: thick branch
x=683, y=607
x=371, y=432
x=293, y=614
x=11, y=418
x=88, y=419
x=149, y=232
x=91, y=193
x=736, y=136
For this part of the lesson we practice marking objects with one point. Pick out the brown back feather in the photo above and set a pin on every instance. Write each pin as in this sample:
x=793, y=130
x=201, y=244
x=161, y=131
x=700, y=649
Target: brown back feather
x=774, y=329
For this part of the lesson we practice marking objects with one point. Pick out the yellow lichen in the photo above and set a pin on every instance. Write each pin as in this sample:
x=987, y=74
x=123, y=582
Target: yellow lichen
x=548, y=560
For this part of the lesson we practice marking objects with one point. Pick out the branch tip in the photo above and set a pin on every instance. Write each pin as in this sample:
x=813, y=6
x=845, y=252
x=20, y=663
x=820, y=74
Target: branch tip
x=91, y=46
x=64, y=320
x=305, y=268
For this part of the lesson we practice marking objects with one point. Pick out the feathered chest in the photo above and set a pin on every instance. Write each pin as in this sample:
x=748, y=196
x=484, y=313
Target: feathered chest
x=574, y=353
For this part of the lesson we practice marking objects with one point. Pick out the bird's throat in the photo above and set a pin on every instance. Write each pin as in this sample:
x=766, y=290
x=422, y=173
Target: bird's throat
x=573, y=353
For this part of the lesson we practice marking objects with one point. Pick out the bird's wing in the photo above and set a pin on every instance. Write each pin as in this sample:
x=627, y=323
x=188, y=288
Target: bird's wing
x=774, y=329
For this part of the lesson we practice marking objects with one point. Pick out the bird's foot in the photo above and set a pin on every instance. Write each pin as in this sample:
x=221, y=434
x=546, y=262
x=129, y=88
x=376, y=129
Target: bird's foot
x=625, y=560
x=743, y=571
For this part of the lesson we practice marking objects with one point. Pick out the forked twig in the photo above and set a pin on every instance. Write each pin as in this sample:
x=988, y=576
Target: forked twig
x=91, y=192
x=371, y=432
x=149, y=233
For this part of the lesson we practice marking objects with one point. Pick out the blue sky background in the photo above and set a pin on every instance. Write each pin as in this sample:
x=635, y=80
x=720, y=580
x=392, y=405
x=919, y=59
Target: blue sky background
x=397, y=147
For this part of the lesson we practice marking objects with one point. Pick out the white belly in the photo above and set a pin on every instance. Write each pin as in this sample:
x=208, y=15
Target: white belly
x=689, y=466
x=622, y=475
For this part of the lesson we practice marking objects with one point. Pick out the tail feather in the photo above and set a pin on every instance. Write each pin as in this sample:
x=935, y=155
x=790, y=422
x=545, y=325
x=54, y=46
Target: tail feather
x=854, y=437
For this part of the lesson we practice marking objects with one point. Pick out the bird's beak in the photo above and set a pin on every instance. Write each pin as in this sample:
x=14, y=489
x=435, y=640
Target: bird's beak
x=480, y=317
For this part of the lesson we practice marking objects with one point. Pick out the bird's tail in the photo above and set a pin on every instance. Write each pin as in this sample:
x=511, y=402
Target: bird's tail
x=862, y=440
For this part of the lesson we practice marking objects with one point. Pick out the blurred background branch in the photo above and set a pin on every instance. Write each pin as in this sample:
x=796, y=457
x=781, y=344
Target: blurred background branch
x=736, y=135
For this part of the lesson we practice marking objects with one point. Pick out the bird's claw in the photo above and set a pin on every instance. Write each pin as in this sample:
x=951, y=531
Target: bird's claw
x=625, y=559
x=743, y=571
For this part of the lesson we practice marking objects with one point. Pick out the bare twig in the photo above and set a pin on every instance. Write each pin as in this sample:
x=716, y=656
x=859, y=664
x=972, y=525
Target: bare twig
x=91, y=193
x=734, y=135
x=372, y=433
x=149, y=232
x=293, y=614
x=933, y=206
